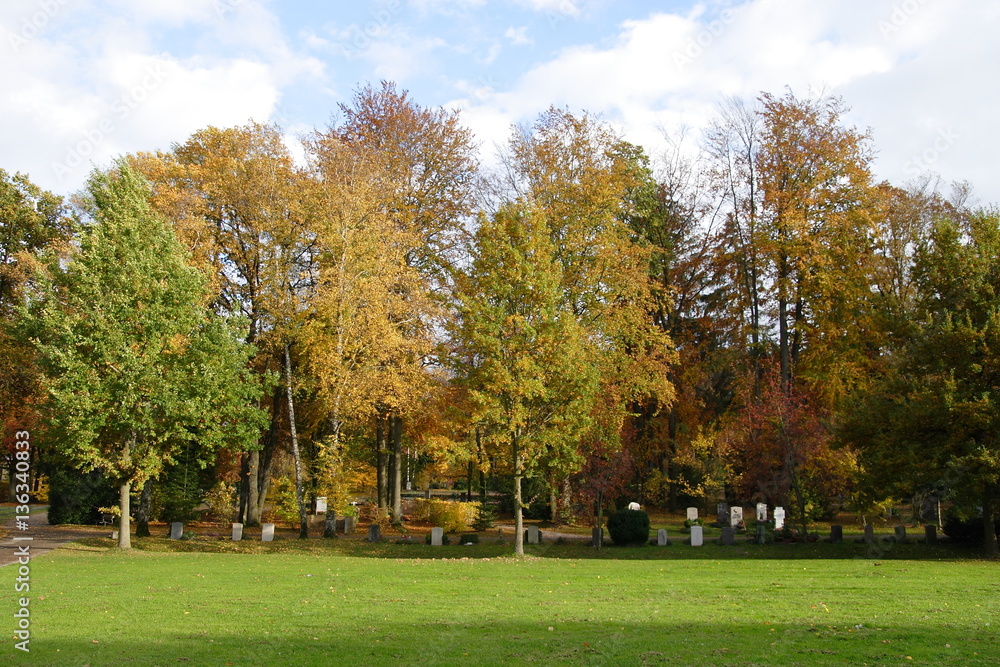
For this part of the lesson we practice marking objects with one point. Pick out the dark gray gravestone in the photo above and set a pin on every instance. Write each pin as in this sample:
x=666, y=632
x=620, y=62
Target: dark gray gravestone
x=533, y=535
x=350, y=523
x=330, y=525
x=176, y=530
x=901, y=534
x=374, y=533
x=661, y=537
x=761, y=533
x=836, y=534
x=728, y=536
x=596, y=537
x=869, y=533
x=930, y=533
x=722, y=513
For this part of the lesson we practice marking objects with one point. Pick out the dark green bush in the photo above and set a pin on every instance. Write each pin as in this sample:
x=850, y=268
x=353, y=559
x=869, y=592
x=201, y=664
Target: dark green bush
x=629, y=527
x=966, y=530
x=469, y=538
x=74, y=496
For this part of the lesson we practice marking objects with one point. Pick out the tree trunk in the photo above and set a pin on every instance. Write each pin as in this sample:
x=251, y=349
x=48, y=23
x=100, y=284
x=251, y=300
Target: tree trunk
x=124, y=521
x=553, y=500
x=600, y=518
x=396, y=478
x=567, y=502
x=296, y=458
x=244, y=486
x=143, y=509
x=518, y=507
x=381, y=464
x=989, y=529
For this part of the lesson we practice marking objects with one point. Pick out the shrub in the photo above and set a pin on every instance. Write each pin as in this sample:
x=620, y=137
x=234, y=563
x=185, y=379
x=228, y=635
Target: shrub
x=629, y=527
x=451, y=515
x=469, y=538
x=485, y=518
x=966, y=530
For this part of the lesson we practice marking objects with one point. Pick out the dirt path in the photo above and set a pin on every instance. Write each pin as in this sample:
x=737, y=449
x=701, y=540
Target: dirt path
x=44, y=538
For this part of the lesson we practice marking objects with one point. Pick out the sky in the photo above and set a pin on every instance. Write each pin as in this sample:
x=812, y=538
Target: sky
x=84, y=81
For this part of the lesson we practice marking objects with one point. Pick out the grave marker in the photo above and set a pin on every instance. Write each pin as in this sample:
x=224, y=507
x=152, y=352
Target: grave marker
x=267, y=532
x=374, y=533
x=779, y=518
x=321, y=505
x=901, y=534
x=237, y=532
x=735, y=516
x=761, y=511
x=692, y=514
x=728, y=536
x=661, y=537
x=437, y=536
x=176, y=530
x=350, y=524
x=869, y=533
x=930, y=533
x=697, y=537
x=761, y=533
x=836, y=534
x=534, y=536
x=722, y=513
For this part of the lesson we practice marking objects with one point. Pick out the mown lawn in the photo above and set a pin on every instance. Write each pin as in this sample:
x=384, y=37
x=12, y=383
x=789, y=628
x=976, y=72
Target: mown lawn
x=352, y=603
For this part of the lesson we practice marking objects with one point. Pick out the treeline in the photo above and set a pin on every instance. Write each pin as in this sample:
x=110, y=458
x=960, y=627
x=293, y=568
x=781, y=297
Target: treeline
x=754, y=320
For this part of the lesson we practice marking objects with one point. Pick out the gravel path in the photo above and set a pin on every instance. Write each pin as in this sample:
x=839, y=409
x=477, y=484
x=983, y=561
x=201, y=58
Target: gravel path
x=44, y=538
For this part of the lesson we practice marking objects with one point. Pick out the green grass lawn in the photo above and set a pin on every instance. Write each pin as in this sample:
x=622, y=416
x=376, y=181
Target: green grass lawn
x=347, y=602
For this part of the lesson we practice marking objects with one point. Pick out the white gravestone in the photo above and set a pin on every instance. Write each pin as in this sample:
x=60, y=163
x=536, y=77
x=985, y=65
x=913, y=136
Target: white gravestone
x=533, y=535
x=692, y=514
x=661, y=537
x=779, y=518
x=735, y=516
x=634, y=507
x=762, y=511
x=267, y=532
x=176, y=530
x=437, y=536
x=321, y=505
x=697, y=537
x=237, y=532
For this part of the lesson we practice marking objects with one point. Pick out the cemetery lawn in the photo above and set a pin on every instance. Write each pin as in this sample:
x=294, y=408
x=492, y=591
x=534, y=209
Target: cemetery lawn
x=92, y=606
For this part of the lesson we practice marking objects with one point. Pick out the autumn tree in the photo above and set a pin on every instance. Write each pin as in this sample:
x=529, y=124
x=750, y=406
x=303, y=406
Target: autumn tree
x=136, y=364
x=525, y=361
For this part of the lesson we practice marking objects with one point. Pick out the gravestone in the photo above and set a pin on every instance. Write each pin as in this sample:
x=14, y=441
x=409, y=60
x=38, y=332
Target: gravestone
x=176, y=530
x=596, y=537
x=761, y=511
x=728, y=536
x=437, y=536
x=735, y=516
x=930, y=533
x=779, y=518
x=534, y=535
x=114, y=534
x=330, y=525
x=836, y=534
x=237, y=532
x=697, y=537
x=267, y=532
x=901, y=534
x=722, y=513
x=661, y=537
x=321, y=505
x=350, y=524
x=692, y=514
x=635, y=507
x=761, y=534
x=869, y=533
x=374, y=533
x=427, y=494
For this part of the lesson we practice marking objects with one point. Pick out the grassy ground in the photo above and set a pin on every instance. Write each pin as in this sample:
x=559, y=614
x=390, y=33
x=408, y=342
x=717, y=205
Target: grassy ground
x=347, y=602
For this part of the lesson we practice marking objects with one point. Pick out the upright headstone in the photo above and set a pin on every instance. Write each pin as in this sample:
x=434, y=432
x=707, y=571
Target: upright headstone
x=728, y=536
x=267, y=532
x=661, y=537
x=761, y=511
x=427, y=494
x=237, y=532
x=836, y=534
x=930, y=533
x=534, y=537
x=900, y=534
x=692, y=514
x=114, y=534
x=176, y=530
x=697, y=537
x=635, y=507
x=350, y=524
x=869, y=533
x=761, y=533
x=779, y=518
x=596, y=537
x=735, y=516
x=437, y=536
x=722, y=513
x=374, y=533
x=330, y=525
x=321, y=505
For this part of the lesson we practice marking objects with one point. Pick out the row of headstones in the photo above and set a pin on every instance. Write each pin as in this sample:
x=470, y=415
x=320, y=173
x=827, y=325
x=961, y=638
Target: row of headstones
x=733, y=516
x=266, y=529
x=836, y=535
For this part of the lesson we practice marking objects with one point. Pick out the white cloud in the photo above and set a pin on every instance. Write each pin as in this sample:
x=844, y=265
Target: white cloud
x=518, y=36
